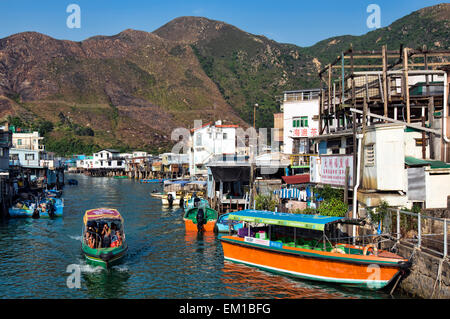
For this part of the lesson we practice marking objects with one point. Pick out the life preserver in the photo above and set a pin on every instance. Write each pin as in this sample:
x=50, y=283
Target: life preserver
x=337, y=250
x=374, y=249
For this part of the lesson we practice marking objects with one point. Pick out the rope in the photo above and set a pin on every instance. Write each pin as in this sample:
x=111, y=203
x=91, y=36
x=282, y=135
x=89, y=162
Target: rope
x=439, y=276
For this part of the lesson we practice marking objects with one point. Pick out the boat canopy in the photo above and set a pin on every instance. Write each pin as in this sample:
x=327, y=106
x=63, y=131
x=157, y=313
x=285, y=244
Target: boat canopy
x=314, y=222
x=182, y=183
x=101, y=213
x=201, y=183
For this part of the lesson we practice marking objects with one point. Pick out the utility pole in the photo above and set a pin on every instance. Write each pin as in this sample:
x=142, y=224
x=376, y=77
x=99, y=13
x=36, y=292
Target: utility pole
x=254, y=114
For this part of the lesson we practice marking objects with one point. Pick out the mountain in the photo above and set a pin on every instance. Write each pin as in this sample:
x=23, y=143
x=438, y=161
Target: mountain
x=246, y=68
x=132, y=89
x=429, y=26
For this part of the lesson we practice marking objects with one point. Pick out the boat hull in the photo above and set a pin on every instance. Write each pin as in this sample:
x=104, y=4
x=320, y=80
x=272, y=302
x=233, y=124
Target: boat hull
x=104, y=257
x=362, y=271
x=191, y=226
x=27, y=213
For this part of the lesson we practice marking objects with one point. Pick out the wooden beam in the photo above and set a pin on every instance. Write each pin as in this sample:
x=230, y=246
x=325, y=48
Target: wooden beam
x=329, y=98
x=385, y=99
x=435, y=132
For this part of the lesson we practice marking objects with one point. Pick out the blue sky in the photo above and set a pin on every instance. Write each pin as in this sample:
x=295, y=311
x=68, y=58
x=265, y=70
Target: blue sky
x=290, y=21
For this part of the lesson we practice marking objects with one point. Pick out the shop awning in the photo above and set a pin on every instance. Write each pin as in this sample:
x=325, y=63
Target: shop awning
x=296, y=179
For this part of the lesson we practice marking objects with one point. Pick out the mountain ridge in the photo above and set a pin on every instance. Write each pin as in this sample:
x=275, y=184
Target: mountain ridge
x=133, y=88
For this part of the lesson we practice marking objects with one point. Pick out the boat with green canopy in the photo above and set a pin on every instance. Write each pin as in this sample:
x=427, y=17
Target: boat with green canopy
x=310, y=247
x=104, y=242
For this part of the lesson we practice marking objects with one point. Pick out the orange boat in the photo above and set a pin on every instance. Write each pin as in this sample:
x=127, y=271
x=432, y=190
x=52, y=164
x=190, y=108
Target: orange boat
x=190, y=219
x=284, y=245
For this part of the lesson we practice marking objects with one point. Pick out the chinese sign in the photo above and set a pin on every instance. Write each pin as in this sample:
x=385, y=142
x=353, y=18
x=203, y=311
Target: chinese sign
x=304, y=132
x=332, y=170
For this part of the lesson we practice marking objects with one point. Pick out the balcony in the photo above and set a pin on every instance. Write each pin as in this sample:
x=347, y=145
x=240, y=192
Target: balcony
x=301, y=160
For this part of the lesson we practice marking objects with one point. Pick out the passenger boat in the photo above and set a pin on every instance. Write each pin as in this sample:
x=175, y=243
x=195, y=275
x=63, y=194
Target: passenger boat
x=121, y=177
x=190, y=218
x=287, y=244
x=41, y=210
x=93, y=244
x=223, y=224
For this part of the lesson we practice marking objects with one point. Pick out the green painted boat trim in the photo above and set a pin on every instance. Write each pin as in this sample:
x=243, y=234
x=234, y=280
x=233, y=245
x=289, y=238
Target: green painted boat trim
x=93, y=255
x=312, y=255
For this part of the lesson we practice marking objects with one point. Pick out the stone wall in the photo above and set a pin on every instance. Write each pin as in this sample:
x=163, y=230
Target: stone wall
x=421, y=281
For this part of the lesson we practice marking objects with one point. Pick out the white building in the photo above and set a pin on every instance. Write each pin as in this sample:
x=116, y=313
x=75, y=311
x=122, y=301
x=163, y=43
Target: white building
x=300, y=119
x=29, y=141
x=210, y=140
x=27, y=151
x=109, y=159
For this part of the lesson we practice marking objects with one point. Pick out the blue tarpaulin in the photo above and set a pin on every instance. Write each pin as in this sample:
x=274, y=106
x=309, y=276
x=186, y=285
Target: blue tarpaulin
x=288, y=193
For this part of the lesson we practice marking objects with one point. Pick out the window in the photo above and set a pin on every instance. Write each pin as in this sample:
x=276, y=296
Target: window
x=419, y=141
x=19, y=141
x=300, y=122
x=198, y=139
x=225, y=136
x=29, y=157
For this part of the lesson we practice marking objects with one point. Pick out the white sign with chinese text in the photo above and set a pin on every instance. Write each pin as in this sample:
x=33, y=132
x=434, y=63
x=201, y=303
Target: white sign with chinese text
x=331, y=170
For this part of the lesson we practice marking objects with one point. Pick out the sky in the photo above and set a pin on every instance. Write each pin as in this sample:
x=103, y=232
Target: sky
x=299, y=22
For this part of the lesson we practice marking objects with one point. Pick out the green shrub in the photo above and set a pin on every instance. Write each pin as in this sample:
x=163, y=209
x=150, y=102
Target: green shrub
x=265, y=203
x=333, y=207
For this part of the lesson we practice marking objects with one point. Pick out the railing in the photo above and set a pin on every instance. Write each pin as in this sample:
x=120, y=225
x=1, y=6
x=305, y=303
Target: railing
x=301, y=96
x=429, y=235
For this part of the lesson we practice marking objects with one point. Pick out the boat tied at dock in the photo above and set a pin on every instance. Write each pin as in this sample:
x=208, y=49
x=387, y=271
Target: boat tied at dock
x=303, y=246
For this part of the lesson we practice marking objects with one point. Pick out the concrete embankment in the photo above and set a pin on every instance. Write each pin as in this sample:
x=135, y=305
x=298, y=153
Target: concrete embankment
x=428, y=277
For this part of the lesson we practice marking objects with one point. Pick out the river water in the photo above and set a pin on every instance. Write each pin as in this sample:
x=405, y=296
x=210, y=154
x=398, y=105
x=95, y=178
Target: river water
x=163, y=261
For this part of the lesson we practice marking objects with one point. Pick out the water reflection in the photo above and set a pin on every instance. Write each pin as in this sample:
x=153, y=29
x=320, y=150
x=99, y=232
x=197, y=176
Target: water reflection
x=106, y=283
x=162, y=261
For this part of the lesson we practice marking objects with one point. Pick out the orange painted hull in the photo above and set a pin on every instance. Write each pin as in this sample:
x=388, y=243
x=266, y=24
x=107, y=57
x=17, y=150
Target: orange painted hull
x=365, y=271
x=208, y=227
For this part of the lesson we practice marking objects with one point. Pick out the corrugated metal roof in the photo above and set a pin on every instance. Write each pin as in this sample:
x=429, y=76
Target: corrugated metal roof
x=412, y=161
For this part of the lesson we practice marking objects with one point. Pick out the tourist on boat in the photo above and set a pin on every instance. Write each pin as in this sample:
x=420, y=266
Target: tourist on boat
x=106, y=235
x=200, y=219
x=116, y=240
